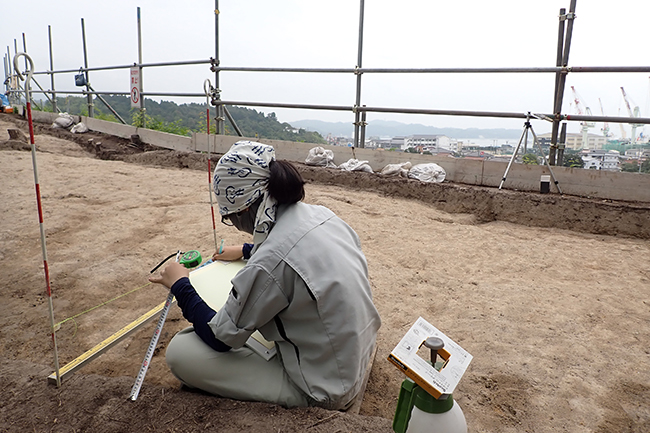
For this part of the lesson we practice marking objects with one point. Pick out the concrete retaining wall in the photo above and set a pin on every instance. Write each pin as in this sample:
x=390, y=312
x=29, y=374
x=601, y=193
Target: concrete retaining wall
x=580, y=182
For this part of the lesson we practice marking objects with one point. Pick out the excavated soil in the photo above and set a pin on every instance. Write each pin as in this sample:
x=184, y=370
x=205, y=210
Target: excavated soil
x=549, y=293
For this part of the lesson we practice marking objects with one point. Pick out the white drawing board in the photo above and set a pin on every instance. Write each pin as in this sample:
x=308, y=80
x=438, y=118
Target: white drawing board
x=212, y=283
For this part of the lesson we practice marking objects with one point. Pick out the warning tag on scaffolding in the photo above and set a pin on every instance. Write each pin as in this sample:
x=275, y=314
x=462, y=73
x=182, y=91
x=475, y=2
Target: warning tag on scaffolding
x=135, y=87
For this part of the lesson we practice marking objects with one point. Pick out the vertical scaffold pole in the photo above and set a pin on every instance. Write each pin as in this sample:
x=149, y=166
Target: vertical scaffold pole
x=558, y=63
x=221, y=129
x=6, y=76
x=49, y=35
x=142, y=107
x=90, y=95
x=214, y=225
x=39, y=204
x=359, y=65
x=560, y=80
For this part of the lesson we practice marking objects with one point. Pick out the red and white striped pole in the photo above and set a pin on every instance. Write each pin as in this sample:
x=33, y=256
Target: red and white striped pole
x=46, y=268
x=207, y=88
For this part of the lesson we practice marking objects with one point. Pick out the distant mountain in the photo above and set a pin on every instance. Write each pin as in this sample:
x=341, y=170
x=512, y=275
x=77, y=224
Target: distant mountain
x=383, y=128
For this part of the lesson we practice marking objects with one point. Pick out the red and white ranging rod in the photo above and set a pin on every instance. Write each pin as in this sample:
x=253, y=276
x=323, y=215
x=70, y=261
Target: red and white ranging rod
x=28, y=99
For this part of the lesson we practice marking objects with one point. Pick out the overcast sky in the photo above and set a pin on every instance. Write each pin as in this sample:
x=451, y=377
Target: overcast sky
x=312, y=33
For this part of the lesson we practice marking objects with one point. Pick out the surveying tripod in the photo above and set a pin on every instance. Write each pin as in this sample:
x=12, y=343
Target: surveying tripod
x=527, y=127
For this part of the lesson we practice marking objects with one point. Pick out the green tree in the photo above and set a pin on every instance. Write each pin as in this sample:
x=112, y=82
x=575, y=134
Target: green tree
x=645, y=166
x=530, y=159
x=633, y=167
x=181, y=119
x=630, y=167
x=573, y=160
x=142, y=119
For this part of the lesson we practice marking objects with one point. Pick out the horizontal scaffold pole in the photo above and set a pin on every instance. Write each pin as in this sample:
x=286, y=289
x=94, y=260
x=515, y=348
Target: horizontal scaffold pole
x=497, y=114
x=554, y=69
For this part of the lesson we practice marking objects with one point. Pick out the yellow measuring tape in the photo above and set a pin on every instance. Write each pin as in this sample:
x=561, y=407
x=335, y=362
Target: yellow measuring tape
x=57, y=326
x=111, y=341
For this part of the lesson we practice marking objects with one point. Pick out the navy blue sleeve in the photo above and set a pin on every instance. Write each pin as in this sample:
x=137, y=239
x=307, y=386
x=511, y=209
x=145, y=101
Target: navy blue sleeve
x=197, y=312
x=246, y=250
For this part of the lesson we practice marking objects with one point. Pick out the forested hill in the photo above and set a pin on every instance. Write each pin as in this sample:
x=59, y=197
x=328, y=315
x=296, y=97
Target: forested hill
x=185, y=118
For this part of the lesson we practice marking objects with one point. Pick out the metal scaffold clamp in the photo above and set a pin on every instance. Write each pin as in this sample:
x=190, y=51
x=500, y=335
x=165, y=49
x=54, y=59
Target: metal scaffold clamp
x=568, y=16
x=540, y=116
x=214, y=64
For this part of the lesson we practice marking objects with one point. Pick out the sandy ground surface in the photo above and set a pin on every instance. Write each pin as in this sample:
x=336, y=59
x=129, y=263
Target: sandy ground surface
x=557, y=320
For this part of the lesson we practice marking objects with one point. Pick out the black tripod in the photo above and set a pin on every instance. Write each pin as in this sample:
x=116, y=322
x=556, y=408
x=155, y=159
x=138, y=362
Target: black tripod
x=528, y=126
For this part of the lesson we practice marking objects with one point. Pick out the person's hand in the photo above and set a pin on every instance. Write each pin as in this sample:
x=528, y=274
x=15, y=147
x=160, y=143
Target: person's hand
x=229, y=253
x=170, y=274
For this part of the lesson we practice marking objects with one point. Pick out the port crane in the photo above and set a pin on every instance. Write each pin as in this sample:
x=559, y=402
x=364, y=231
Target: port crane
x=635, y=113
x=585, y=126
x=605, y=124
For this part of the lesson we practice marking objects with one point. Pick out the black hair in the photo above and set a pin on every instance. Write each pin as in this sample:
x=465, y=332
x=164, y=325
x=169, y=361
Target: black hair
x=285, y=183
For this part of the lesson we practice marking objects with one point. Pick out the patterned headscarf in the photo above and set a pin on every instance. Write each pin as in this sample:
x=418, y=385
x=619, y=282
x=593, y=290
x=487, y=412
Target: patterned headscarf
x=240, y=178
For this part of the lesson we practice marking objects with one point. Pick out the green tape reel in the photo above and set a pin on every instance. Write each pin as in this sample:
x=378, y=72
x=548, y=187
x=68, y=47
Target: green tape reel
x=190, y=259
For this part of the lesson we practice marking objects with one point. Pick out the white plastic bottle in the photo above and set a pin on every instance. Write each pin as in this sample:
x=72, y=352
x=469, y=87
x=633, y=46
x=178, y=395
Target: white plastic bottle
x=451, y=421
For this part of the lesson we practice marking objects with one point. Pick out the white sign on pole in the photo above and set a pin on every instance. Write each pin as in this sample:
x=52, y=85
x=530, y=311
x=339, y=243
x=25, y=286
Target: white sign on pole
x=135, y=87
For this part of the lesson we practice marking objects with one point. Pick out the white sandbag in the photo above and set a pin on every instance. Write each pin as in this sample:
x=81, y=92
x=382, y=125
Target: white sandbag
x=63, y=121
x=79, y=128
x=396, y=169
x=320, y=157
x=429, y=172
x=356, y=165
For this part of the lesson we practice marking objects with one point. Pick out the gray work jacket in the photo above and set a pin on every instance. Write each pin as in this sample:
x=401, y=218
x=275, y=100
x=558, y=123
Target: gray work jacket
x=306, y=288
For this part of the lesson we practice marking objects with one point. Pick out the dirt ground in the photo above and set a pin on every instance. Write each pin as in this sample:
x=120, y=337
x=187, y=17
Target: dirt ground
x=550, y=294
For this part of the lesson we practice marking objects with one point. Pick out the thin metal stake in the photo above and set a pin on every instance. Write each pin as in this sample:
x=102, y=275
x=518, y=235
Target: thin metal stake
x=207, y=87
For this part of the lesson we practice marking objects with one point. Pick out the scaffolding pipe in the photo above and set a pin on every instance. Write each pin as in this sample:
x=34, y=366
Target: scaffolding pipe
x=85, y=92
x=53, y=100
x=232, y=121
x=561, y=81
x=513, y=115
x=140, y=84
x=221, y=127
x=6, y=81
x=108, y=106
x=558, y=63
x=25, y=49
x=533, y=70
x=496, y=114
x=90, y=96
x=143, y=65
x=43, y=92
x=362, y=139
x=357, y=102
x=561, y=145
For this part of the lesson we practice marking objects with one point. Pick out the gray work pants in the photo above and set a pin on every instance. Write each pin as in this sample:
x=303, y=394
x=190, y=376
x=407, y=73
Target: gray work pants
x=239, y=374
